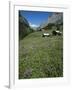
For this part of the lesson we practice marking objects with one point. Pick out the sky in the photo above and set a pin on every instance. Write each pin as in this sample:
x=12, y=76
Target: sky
x=36, y=18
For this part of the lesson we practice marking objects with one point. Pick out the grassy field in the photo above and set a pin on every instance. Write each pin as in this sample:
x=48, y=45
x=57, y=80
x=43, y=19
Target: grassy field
x=40, y=57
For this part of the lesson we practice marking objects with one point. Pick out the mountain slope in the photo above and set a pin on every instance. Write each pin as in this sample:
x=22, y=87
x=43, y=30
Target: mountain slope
x=56, y=18
x=24, y=28
x=54, y=21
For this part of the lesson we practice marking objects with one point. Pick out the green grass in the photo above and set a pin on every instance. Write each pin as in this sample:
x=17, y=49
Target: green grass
x=40, y=57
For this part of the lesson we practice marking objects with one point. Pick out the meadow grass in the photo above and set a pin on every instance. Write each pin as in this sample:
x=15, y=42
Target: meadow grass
x=40, y=57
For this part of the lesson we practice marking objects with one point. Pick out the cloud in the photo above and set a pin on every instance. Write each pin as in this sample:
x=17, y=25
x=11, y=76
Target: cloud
x=33, y=25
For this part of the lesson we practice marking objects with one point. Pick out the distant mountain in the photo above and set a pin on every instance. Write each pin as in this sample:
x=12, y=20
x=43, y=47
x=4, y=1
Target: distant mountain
x=43, y=24
x=33, y=26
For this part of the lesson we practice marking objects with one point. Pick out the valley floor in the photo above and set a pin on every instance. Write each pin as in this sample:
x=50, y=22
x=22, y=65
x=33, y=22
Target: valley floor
x=40, y=57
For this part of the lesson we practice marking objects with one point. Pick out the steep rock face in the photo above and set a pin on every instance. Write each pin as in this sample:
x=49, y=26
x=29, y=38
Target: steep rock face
x=55, y=22
x=56, y=18
x=24, y=28
x=23, y=20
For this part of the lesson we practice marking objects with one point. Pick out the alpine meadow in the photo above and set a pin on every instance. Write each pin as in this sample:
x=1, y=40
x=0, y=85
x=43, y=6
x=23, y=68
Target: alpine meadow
x=40, y=44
